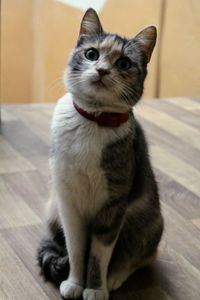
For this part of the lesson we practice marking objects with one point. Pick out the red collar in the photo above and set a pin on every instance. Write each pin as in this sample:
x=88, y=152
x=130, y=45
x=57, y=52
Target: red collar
x=106, y=119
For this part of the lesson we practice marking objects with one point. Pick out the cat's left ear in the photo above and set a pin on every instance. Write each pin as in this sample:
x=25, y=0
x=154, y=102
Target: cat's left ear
x=146, y=40
x=90, y=23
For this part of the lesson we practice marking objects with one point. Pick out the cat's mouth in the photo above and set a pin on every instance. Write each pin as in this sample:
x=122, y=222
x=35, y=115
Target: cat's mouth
x=98, y=83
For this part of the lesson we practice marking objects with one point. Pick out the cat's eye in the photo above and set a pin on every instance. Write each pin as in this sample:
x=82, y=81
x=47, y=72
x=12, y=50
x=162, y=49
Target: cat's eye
x=123, y=63
x=92, y=54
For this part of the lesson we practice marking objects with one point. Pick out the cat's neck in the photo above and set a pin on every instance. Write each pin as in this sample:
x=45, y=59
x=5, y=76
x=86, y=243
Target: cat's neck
x=106, y=119
x=91, y=105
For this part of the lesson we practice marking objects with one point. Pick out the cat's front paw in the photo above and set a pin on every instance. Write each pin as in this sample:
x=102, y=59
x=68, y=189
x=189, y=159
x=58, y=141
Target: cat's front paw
x=91, y=294
x=70, y=290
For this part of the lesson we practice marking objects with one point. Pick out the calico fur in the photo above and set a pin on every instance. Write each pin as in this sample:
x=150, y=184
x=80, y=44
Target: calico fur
x=104, y=218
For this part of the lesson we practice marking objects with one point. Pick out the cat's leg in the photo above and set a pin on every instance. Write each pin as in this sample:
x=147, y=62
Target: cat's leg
x=75, y=236
x=96, y=286
x=123, y=263
x=136, y=247
x=119, y=275
x=116, y=279
x=106, y=229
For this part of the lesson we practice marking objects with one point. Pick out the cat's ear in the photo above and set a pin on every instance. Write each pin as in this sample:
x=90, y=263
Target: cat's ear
x=146, y=39
x=90, y=23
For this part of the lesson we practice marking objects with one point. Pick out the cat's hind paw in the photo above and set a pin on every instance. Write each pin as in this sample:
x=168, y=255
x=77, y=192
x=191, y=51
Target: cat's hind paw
x=91, y=294
x=114, y=284
x=70, y=290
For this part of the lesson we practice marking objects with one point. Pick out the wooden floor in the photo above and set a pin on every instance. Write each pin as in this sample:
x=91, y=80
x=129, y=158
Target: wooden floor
x=172, y=127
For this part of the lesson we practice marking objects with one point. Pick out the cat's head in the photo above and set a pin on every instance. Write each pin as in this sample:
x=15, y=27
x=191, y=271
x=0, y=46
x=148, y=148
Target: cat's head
x=106, y=70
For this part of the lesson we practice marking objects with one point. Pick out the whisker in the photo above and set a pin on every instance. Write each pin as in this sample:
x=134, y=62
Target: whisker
x=75, y=83
x=56, y=81
x=124, y=89
x=131, y=90
x=121, y=90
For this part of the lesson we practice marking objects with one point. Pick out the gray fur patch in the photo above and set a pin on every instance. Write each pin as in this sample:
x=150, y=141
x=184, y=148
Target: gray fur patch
x=108, y=221
x=93, y=273
x=133, y=190
x=118, y=164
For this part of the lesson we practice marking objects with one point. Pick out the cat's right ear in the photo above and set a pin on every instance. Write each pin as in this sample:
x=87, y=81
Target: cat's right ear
x=90, y=24
x=146, y=40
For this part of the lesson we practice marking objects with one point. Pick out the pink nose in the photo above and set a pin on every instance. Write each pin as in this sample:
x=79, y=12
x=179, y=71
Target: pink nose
x=103, y=72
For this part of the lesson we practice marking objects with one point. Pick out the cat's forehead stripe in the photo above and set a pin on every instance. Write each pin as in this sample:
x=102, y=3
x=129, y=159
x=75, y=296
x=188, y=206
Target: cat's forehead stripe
x=113, y=46
x=111, y=42
x=107, y=43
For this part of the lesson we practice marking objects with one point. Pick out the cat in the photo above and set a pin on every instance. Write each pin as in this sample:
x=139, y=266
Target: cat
x=104, y=218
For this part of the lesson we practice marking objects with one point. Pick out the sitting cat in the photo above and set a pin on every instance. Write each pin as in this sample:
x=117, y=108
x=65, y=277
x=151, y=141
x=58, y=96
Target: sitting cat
x=104, y=218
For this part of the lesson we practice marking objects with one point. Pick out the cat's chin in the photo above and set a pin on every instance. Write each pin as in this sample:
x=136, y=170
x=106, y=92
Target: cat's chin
x=97, y=90
x=91, y=89
x=92, y=95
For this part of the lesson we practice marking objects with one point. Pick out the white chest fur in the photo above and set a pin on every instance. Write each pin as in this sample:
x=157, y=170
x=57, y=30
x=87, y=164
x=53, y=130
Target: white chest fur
x=77, y=163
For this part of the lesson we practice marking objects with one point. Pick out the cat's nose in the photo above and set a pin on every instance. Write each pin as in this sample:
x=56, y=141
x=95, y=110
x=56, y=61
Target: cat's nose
x=103, y=71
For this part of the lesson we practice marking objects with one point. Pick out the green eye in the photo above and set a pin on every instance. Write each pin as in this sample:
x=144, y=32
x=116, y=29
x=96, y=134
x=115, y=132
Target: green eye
x=123, y=63
x=92, y=54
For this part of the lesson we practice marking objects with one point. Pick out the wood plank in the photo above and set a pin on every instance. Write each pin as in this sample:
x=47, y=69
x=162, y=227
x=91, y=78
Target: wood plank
x=196, y=222
x=176, y=276
x=6, y=115
x=11, y=160
x=194, y=99
x=41, y=163
x=172, y=125
x=176, y=168
x=24, y=241
x=181, y=236
x=16, y=281
x=15, y=164
x=178, y=196
x=27, y=142
x=13, y=210
x=6, y=151
x=34, y=117
x=158, y=136
x=36, y=122
x=30, y=186
x=175, y=111
x=184, y=102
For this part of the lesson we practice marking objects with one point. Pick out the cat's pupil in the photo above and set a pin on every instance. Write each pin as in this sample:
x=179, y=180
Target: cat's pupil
x=92, y=54
x=123, y=63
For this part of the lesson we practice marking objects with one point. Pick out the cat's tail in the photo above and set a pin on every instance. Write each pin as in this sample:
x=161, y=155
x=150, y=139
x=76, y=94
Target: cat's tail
x=54, y=263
